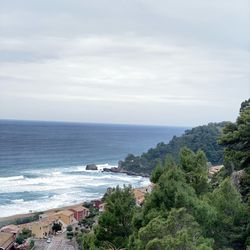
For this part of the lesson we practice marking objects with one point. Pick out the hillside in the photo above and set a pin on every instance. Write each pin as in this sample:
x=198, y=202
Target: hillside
x=182, y=210
x=202, y=137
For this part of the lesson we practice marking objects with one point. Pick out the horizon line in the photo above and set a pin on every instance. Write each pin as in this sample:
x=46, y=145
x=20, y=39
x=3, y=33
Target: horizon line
x=96, y=123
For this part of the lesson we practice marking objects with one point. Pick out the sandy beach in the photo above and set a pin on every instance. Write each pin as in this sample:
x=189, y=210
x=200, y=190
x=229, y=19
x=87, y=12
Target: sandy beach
x=13, y=218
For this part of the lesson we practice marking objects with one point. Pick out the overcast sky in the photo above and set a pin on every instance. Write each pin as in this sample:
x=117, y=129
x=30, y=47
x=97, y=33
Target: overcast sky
x=166, y=62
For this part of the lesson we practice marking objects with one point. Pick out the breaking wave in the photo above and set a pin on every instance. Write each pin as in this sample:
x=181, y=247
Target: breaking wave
x=41, y=189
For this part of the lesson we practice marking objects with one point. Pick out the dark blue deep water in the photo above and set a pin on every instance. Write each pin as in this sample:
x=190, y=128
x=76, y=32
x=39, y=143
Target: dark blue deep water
x=28, y=145
x=45, y=161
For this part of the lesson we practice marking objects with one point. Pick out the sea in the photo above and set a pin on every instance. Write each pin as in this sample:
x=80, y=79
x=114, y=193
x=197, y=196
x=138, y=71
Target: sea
x=42, y=164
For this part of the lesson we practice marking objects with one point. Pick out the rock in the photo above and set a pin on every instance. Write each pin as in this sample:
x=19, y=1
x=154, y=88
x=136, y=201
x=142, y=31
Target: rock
x=123, y=171
x=236, y=176
x=91, y=167
x=120, y=164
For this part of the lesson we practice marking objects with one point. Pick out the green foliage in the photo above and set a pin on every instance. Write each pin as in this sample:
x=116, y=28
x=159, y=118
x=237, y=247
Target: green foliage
x=25, y=234
x=178, y=214
x=160, y=168
x=87, y=222
x=230, y=229
x=70, y=234
x=56, y=227
x=236, y=140
x=220, y=215
x=245, y=105
x=174, y=190
x=156, y=174
x=115, y=222
x=199, y=138
x=184, y=210
x=171, y=191
x=20, y=239
x=195, y=168
x=69, y=228
x=32, y=244
x=178, y=231
x=88, y=242
x=28, y=219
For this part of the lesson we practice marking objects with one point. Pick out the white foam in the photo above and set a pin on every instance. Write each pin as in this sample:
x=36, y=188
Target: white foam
x=69, y=186
x=11, y=178
x=18, y=201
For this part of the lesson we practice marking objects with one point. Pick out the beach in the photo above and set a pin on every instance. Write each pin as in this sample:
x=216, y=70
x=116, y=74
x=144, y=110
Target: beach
x=12, y=219
x=43, y=164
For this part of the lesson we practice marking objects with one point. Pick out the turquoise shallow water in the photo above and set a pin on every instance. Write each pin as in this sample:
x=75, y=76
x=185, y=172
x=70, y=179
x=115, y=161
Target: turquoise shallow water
x=42, y=164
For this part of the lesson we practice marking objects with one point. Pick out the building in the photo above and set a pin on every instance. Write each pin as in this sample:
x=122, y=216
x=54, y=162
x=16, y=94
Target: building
x=150, y=187
x=80, y=212
x=7, y=241
x=26, y=226
x=102, y=207
x=13, y=229
x=66, y=216
x=42, y=228
x=214, y=169
x=96, y=203
x=139, y=196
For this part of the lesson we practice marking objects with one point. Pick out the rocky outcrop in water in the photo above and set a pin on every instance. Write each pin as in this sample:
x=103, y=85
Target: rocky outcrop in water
x=91, y=167
x=123, y=171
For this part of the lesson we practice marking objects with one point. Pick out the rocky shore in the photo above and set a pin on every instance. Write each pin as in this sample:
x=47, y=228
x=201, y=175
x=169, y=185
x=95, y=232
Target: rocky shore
x=123, y=171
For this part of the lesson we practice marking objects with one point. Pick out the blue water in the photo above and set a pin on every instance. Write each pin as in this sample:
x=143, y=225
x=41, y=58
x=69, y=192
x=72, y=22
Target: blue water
x=42, y=164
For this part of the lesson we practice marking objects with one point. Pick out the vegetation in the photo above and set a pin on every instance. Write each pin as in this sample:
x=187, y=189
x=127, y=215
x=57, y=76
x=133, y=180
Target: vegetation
x=199, y=138
x=69, y=228
x=25, y=234
x=70, y=232
x=56, y=227
x=89, y=220
x=25, y=220
x=236, y=140
x=115, y=223
x=32, y=244
x=184, y=210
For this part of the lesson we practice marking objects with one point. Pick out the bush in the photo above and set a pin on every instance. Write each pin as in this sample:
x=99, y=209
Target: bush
x=20, y=239
x=70, y=235
x=56, y=227
x=32, y=243
x=69, y=228
x=25, y=234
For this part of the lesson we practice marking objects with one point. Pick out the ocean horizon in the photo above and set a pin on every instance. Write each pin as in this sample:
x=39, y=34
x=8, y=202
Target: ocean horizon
x=42, y=163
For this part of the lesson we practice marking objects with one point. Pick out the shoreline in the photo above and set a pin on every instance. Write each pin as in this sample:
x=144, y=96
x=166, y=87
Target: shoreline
x=118, y=170
x=13, y=218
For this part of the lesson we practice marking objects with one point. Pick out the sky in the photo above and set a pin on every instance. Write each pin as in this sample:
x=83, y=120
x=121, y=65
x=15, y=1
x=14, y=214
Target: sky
x=162, y=62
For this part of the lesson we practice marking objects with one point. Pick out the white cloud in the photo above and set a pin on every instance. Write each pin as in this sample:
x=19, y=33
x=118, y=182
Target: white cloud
x=49, y=58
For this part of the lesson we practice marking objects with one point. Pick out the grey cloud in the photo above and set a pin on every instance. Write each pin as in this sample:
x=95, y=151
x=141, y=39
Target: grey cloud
x=157, y=59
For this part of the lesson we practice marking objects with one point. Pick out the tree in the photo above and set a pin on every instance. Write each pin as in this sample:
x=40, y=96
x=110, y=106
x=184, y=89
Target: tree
x=230, y=229
x=31, y=246
x=156, y=174
x=115, y=222
x=174, y=191
x=236, y=140
x=161, y=167
x=195, y=167
x=199, y=138
x=87, y=222
x=56, y=227
x=69, y=228
x=178, y=231
x=20, y=239
x=25, y=234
